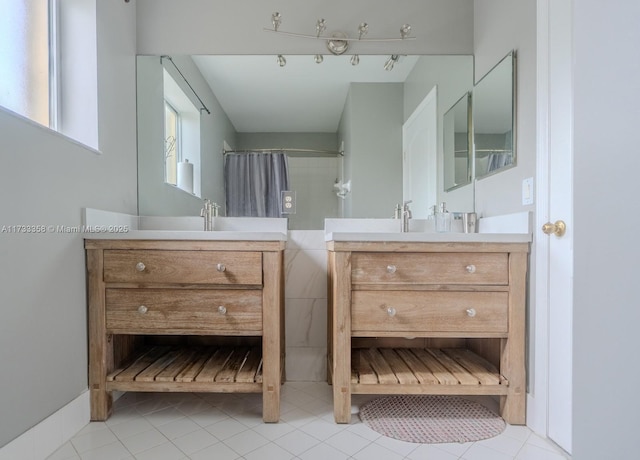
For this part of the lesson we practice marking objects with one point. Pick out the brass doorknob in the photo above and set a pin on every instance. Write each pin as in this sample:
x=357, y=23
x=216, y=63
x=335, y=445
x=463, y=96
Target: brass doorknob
x=558, y=228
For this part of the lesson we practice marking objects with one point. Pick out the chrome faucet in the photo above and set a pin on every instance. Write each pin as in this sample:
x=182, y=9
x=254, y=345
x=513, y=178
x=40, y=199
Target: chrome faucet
x=209, y=211
x=406, y=215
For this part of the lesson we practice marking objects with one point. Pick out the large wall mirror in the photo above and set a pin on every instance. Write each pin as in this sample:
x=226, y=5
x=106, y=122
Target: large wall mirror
x=456, y=144
x=494, y=119
x=253, y=103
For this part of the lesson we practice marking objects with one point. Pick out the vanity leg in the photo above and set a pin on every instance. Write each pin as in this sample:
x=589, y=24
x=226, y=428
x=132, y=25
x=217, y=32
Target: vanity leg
x=341, y=337
x=100, y=345
x=513, y=406
x=271, y=337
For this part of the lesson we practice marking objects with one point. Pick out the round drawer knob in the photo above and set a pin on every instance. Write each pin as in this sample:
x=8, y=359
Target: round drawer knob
x=471, y=268
x=140, y=266
x=391, y=311
x=391, y=268
x=471, y=312
x=222, y=310
x=142, y=309
x=221, y=267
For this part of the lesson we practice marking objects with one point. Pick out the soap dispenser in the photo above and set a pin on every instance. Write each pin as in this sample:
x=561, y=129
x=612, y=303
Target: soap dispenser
x=443, y=219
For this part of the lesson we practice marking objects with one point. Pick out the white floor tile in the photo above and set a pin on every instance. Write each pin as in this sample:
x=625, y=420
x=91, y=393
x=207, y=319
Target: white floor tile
x=226, y=428
x=195, y=441
x=519, y=432
x=544, y=443
x=93, y=440
x=298, y=417
x=323, y=451
x=166, y=451
x=92, y=427
x=322, y=429
x=176, y=426
x=270, y=451
x=273, y=431
x=209, y=416
x=394, y=445
x=363, y=430
x=480, y=452
x=503, y=444
x=455, y=448
x=531, y=452
x=348, y=442
x=431, y=452
x=297, y=442
x=376, y=452
x=113, y=451
x=144, y=441
x=66, y=452
x=218, y=451
x=246, y=442
x=131, y=427
x=164, y=416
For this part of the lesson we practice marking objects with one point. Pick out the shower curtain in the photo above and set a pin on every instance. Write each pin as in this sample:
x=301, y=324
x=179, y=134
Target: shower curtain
x=253, y=182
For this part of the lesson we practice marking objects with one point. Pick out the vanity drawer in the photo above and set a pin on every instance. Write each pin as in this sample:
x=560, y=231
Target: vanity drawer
x=428, y=311
x=184, y=311
x=430, y=268
x=186, y=267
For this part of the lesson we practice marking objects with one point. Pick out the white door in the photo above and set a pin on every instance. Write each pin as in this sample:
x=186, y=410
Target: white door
x=419, y=157
x=554, y=254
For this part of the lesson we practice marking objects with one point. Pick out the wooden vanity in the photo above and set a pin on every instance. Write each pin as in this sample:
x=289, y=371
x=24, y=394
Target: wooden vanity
x=186, y=316
x=443, y=318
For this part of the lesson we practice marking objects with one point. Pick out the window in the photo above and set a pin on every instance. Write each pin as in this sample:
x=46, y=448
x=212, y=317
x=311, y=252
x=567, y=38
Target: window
x=171, y=143
x=26, y=58
x=181, y=137
x=61, y=94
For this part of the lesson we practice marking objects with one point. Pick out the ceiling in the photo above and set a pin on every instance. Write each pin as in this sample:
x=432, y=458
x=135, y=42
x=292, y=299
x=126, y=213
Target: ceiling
x=260, y=96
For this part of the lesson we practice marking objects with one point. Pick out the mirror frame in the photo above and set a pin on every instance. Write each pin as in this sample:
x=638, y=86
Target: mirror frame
x=468, y=177
x=510, y=57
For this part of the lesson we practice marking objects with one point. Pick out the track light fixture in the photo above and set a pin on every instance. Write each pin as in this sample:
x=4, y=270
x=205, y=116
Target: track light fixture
x=338, y=43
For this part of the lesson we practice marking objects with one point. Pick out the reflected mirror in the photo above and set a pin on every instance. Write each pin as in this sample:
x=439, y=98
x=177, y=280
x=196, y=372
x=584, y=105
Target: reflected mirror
x=250, y=103
x=456, y=142
x=494, y=119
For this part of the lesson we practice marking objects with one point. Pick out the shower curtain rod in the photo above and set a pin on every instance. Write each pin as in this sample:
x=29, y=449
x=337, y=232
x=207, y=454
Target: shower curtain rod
x=328, y=152
x=204, y=107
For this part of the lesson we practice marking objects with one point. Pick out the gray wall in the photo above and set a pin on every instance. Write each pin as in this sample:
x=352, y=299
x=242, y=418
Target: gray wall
x=606, y=314
x=46, y=179
x=208, y=27
x=155, y=196
x=499, y=27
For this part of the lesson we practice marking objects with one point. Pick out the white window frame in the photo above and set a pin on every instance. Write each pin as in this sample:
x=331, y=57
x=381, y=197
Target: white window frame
x=177, y=144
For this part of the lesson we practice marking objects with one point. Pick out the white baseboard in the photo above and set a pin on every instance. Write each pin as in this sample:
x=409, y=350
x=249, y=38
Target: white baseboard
x=49, y=435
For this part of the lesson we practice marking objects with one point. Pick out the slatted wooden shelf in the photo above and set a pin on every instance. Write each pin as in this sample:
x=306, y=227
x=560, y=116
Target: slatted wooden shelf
x=198, y=369
x=423, y=370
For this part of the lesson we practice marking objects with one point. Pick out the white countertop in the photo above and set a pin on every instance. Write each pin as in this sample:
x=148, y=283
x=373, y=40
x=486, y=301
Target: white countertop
x=430, y=237
x=187, y=235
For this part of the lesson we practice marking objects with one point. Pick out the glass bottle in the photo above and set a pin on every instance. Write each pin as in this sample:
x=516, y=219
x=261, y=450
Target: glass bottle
x=443, y=219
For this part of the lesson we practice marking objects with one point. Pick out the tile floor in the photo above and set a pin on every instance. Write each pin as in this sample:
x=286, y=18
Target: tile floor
x=180, y=426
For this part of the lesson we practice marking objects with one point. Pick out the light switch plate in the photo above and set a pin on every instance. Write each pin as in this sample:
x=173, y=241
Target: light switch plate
x=527, y=191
